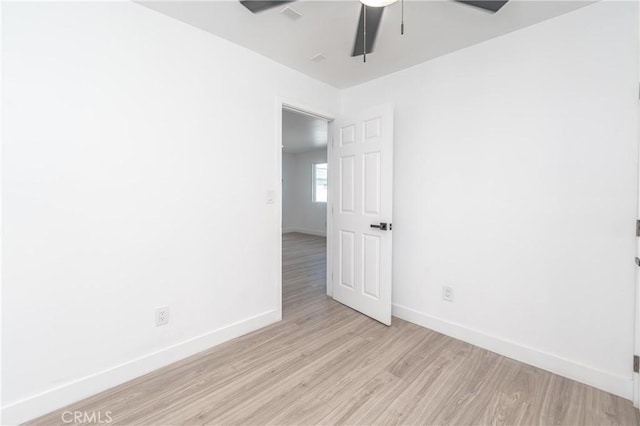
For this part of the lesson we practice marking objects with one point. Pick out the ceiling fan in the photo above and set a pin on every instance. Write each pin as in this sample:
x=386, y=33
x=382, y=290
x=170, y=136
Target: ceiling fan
x=370, y=17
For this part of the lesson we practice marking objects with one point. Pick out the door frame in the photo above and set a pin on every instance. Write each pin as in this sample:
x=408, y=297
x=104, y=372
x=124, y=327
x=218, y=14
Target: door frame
x=636, y=340
x=296, y=106
x=636, y=322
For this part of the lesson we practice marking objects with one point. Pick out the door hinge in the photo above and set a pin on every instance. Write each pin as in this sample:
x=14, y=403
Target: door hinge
x=637, y=228
x=636, y=364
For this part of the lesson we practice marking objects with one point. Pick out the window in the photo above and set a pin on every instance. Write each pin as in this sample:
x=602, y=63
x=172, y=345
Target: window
x=320, y=183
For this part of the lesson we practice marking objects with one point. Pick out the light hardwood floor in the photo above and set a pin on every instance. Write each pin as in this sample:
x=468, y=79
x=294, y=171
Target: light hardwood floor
x=326, y=364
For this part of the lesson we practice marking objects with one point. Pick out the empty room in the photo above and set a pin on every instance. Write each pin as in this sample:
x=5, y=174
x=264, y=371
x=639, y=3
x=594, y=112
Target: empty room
x=303, y=212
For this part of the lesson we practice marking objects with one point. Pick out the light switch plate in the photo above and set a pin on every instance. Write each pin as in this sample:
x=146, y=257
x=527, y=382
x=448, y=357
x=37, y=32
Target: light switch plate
x=447, y=293
x=271, y=196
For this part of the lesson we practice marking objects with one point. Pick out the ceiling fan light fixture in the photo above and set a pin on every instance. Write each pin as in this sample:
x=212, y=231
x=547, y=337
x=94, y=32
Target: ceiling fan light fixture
x=377, y=3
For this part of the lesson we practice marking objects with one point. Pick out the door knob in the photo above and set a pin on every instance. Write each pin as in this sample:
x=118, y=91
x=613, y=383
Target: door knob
x=383, y=226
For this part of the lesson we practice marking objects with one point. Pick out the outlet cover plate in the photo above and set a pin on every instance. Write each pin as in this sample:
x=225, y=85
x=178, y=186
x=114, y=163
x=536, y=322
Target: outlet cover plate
x=162, y=316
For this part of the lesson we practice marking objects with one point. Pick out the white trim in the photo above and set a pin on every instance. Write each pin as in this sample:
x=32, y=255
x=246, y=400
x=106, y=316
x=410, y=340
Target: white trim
x=317, y=233
x=609, y=382
x=278, y=185
x=60, y=396
x=636, y=322
x=329, y=216
x=311, y=111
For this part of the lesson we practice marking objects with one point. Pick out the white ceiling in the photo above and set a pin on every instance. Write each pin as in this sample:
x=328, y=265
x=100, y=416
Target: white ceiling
x=432, y=28
x=302, y=133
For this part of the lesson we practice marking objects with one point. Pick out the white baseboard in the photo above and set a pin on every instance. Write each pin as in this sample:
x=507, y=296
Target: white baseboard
x=68, y=393
x=305, y=231
x=609, y=382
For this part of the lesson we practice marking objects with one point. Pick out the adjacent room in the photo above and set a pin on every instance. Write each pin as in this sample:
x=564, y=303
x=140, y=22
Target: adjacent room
x=304, y=174
x=303, y=212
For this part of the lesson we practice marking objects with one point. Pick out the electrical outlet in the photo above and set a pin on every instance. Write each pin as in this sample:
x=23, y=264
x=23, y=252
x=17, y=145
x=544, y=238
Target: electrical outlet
x=162, y=316
x=447, y=293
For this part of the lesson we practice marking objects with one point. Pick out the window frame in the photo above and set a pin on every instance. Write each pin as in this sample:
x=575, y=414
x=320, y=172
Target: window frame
x=313, y=182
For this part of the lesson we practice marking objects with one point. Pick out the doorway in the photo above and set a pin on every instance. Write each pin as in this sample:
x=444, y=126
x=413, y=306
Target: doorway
x=355, y=189
x=304, y=213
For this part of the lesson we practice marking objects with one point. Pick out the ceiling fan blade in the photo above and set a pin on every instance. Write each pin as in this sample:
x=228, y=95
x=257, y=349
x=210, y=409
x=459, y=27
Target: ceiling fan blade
x=256, y=6
x=374, y=16
x=490, y=5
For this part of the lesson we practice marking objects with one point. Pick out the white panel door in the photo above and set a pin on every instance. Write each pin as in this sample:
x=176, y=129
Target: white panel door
x=361, y=188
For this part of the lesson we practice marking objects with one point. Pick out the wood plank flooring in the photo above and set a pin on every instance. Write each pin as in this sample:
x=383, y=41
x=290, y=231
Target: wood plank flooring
x=327, y=364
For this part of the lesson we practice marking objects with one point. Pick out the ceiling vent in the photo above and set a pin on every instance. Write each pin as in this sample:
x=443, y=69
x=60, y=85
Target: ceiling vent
x=318, y=58
x=291, y=13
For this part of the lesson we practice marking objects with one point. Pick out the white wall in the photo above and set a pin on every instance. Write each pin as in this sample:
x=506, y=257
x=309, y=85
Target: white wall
x=299, y=212
x=131, y=179
x=516, y=184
